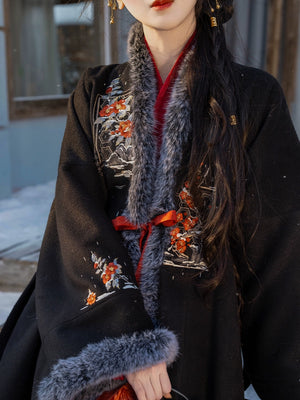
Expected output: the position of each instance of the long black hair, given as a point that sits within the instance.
(217, 167)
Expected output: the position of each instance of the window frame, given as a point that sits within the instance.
(3, 74)
(40, 106)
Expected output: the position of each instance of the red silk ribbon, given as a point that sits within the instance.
(122, 224)
(125, 392)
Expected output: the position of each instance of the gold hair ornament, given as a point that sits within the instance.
(233, 120)
(113, 7)
(213, 18)
(213, 22)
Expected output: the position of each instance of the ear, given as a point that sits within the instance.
(120, 4)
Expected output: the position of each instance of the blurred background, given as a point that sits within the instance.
(45, 45)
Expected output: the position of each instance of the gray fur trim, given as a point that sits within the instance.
(144, 144)
(176, 132)
(153, 259)
(175, 135)
(131, 239)
(87, 375)
(152, 186)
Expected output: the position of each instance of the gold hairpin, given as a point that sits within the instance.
(213, 22)
(213, 18)
(113, 7)
(233, 120)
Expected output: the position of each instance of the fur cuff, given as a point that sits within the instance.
(87, 375)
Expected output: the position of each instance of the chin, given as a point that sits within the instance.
(163, 25)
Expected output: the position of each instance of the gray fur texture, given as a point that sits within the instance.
(87, 375)
(152, 186)
(144, 144)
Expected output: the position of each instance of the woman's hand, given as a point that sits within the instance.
(151, 383)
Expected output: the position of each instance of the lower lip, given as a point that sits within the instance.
(163, 6)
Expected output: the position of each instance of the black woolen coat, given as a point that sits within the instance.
(84, 321)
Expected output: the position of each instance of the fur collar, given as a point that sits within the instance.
(152, 187)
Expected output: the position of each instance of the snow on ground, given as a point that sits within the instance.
(7, 301)
(23, 217)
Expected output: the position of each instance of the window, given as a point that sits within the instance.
(3, 80)
(51, 42)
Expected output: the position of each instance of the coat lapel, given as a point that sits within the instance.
(152, 186)
(143, 89)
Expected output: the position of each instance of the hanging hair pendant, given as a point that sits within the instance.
(213, 17)
(233, 120)
(113, 6)
(213, 22)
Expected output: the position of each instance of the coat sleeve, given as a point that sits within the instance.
(271, 280)
(90, 312)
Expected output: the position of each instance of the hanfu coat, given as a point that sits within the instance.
(84, 320)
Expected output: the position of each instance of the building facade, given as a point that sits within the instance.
(46, 44)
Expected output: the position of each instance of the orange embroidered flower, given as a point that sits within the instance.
(174, 233)
(115, 107)
(185, 196)
(112, 267)
(181, 246)
(96, 265)
(190, 202)
(106, 278)
(119, 105)
(189, 223)
(110, 270)
(107, 111)
(125, 128)
(179, 217)
(91, 299)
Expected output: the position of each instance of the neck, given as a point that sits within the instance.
(166, 46)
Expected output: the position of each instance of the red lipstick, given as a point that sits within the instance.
(161, 4)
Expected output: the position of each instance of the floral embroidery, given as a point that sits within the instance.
(113, 108)
(109, 271)
(186, 221)
(111, 276)
(179, 217)
(91, 299)
(189, 223)
(124, 129)
(106, 111)
(185, 249)
(186, 196)
(119, 105)
(114, 130)
(174, 234)
(180, 240)
(181, 245)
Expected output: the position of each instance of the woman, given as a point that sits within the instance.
(172, 240)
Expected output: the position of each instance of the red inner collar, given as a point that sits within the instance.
(174, 70)
(164, 90)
